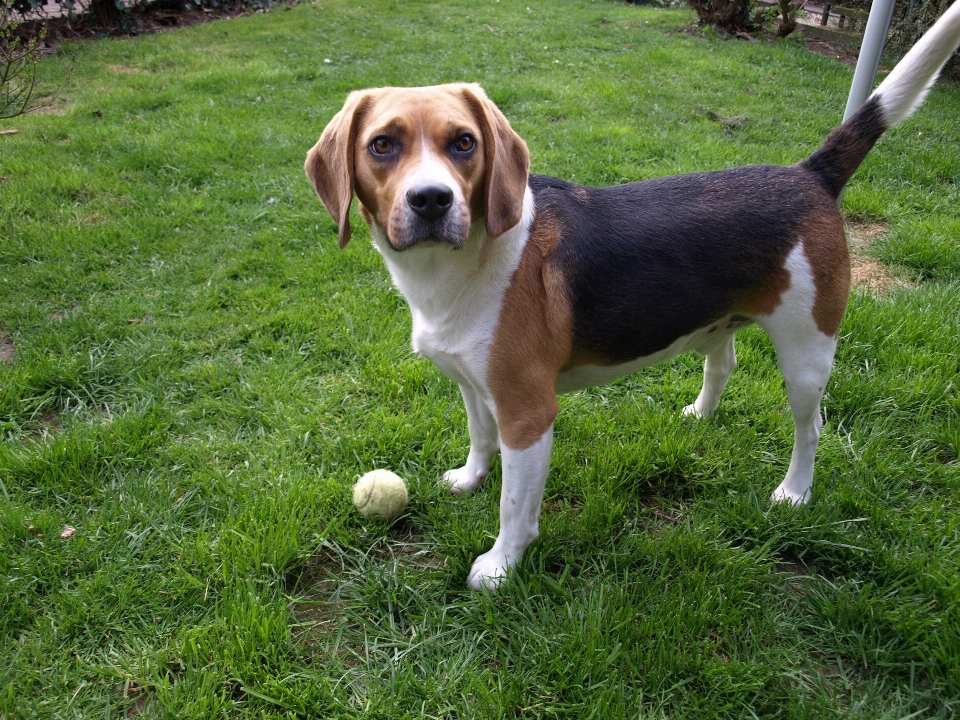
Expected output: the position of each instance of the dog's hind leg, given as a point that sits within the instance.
(717, 366)
(805, 355)
(806, 369)
(484, 444)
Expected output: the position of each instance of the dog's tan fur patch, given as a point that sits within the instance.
(766, 298)
(825, 246)
(532, 341)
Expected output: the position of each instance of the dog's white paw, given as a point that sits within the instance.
(461, 481)
(489, 571)
(692, 410)
(785, 495)
(699, 410)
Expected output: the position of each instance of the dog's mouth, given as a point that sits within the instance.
(431, 241)
(429, 234)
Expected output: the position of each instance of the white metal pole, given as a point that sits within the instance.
(874, 38)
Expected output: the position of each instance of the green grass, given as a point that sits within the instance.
(200, 375)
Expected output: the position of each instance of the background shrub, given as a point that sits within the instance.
(729, 16)
(911, 19)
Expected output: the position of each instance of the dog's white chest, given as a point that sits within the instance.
(455, 296)
(447, 348)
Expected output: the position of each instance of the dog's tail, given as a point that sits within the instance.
(897, 97)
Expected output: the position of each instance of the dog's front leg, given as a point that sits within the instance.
(524, 478)
(484, 443)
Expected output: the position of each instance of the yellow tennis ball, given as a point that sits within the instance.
(380, 494)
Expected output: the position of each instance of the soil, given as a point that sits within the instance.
(837, 52)
(846, 55)
(866, 272)
(7, 348)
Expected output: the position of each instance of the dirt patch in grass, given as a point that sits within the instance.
(322, 583)
(836, 51)
(49, 424)
(48, 105)
(124, 70)
(135, 698)
(59, 315)
(867, 272)
(7, 348)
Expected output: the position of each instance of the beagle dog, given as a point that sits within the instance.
(524, 286)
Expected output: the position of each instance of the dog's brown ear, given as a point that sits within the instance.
(507, 164)
(329, 164)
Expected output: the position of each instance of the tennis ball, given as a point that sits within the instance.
(380, 494)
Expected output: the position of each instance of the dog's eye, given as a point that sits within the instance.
(465, 143)
(381, 145)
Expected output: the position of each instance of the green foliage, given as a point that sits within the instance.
(729, 16)
(741, 16)
(911, 19)
(788, 16)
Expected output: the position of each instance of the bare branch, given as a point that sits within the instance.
(18, 67)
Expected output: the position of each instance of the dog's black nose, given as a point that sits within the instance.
(431, 202)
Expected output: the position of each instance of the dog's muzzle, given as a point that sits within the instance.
(432, 218)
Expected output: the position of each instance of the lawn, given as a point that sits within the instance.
(192, 376)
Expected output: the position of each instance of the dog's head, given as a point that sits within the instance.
(424, 163)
